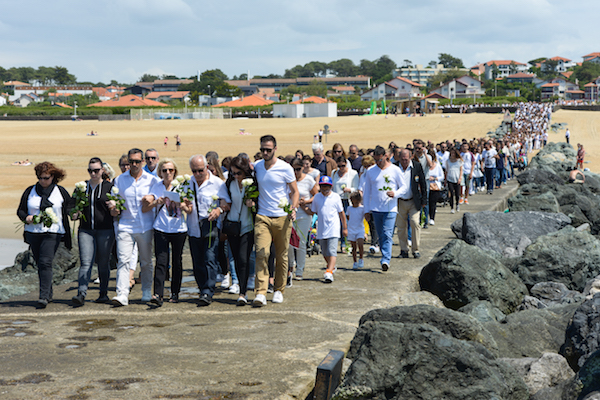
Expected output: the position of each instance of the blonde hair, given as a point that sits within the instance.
(163, 162)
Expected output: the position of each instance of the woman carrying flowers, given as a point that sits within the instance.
(96, 233)
(44, 210)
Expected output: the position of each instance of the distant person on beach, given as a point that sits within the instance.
(320, 135)
(580, 156)
(568, 135)
(177, 142)
(133, 227)
(96, 234)
(43, 238)
(166, 141)
(152, 159)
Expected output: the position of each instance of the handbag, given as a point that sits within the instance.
(232, 228)
(207, 231)
(433, 186)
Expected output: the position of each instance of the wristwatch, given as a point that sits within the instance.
(220, 209)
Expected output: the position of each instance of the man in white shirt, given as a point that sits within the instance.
(443, 154)
(382, 186)
(204, 210)
(151, 158)
(489, 157)
(133, 227)
(276, 183)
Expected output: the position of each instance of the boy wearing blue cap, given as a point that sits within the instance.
(328, 206)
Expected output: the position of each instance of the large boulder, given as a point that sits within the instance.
(458, 325)
(583, 333)
(539, 373)
(555, 294)
(507, 233)
(483, 311)
(545, 202)
(539, 176)
(460, 274)
(417, 361)
(531, 333)
(568, 256)
(22, 277)
(555, 158)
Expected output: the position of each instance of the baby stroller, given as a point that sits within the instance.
(443, 199)
(312, 244)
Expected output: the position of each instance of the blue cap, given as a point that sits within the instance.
(325, 180)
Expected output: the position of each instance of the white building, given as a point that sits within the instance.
(397, 88)
(562, 64)
(505, 68)
(421, 75)
(39, 90)
(304, 110)
(462, 87)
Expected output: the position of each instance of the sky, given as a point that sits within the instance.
(99, 41)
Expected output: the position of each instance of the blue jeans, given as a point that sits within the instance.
(44, 246)
(384, 223)
(206, 264)
(94, 245)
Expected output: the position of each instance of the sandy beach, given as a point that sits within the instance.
(66, 143)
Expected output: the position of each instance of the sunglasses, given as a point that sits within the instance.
(265, 150)
(342, 166)
(337, 151)
(134, 161)
(150, 158)
(168, 170)
(124, 165)
(44, 178)
(95, 170)
(298, 169)
(239, 173)
(198, 171)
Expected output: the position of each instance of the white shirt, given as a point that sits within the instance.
(378, 200)
(453, 171)
(328, 208)
(273, 186)
(356, 226)
(468, 158)
(437, 173)
(304, 188)
(133, 220)
(488, 158)
(239, 211)
(33, 208)
(404, 191)
(442, 157)
(350, 179)
(203, 200)
(168, 219)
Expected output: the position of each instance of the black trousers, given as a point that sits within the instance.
(241, 247)
(434, 196)
(453, 193)
(44, 246)
(162, 241)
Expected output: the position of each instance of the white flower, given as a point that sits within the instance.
(179, 179)
(174, 183)
(114, 190)
(81, 185)
(283, 202)
(343, 186)
(187, 177)
(247, 182)
(215, 197)
(386, 177)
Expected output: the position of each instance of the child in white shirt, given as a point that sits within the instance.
(356, 228)
(328, 206)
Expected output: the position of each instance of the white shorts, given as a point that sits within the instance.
(354, 236)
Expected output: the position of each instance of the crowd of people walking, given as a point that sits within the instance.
(249, 224)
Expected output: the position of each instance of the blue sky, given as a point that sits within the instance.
(123, 39)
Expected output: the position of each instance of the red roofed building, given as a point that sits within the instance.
(462, 87)
(592, 90)
(128, 101)
(311, 99)
(562, 64)
(164, 96)
(253, 100)
(504, 68)
(592, 57)
(397, 88)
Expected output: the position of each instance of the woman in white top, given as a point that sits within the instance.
(436, 177)
(454, 174)
(169, 229)
(345, 181)
(44, 209)
(307, 188)
(308, 170)
(241, 211)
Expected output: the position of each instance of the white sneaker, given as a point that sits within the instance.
(452, 211)
(277, 297)
(146, 296)
(361, 263)
(97, 281)
(355, 265)
(431, 222)
(251, 282)
(234, 289)
(376, 249)
(225, 283)
(457, 208)
(409, 243)
(260, 300)
(120, 300)
(220, 277)
(328, 277)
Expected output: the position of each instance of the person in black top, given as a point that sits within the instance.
(96, 233)
(44, 210)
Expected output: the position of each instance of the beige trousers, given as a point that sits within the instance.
(406, 210)
(278, 231)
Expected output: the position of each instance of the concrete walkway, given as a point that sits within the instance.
(217, 352)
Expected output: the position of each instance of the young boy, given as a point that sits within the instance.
(328, 206)
(356, 228)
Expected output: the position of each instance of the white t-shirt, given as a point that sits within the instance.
(304, 188)
(375, 179)
(133, 220)
(453, 171)
(273, 186)
(203, 201)
(239, 211)
(488, 158)
(168, 219)
(33, 208)
(356, 226)
(468, 159)
(328, 209)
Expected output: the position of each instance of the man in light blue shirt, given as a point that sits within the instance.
(152, 158)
